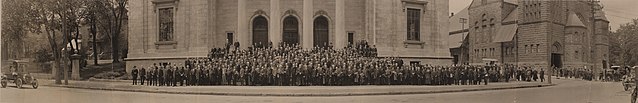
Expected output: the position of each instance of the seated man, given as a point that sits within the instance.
(14, 71)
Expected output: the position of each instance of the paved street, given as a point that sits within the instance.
(567, 91)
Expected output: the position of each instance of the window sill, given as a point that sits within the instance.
(415, 2)
(166, 45)
(413, 42)
(164, 1)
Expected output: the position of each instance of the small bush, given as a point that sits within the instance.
(123, 77)
(43, 55)
(108, 75)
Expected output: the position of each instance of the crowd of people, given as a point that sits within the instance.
(578, 73)
(289, 65)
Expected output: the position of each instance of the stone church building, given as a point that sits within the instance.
(537, 33)
(174, 30)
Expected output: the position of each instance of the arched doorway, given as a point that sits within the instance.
(321, 30)
(291, 31)
(260, 32)
(556, 55)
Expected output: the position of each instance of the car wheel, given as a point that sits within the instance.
(19, 83)
(34, 84)
(4, 84)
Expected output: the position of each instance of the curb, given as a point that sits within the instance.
(303, 94)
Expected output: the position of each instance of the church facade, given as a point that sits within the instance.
(174, 30)
(561, 33)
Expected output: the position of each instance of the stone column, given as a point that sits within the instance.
(307, 34)
(242, 25)
(75, 68)
(274, 32)
(340, 32)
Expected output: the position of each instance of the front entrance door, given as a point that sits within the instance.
(557, 60)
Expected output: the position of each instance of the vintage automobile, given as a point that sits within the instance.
(628, 82)
(18, 76)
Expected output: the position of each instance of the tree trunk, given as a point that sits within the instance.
(56, 55)
(95, 53)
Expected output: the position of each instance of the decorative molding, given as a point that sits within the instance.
(164, 3)
(414, 2)
(412, 42)
(320, 12)
(290, 12)
(260, 12)
(166, 44)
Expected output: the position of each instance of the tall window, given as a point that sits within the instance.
(166, 24)
(526, 49)
(414, 24)
(492, 51)
(260, 32)
(321, 32)
(538, 48)
(291, 31)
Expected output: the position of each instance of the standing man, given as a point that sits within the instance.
(153, 75)
(134, 75)
(142, 75)
(169, 76)
(180, 76)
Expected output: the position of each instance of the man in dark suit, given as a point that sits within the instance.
(142, 75)
(134, 74)
(169, 76)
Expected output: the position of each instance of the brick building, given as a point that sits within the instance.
(173, 30)
(538, 33)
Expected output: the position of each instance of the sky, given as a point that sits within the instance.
(618, 11)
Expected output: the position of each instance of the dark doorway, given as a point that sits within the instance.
(456, 59)
(321, 31)
(260, 32)
(291, 31)
(229, 38)
(557, 60)
(351, 38)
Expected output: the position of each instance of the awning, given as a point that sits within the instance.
(506, 33)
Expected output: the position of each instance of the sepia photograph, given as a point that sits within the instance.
(319, 51)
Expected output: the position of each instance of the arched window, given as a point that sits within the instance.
(291, 30)
(321, 30)
(260, 32)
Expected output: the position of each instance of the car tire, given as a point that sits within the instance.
(19, 83)
(4, 84)
(34, 84)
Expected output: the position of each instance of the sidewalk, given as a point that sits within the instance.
(292, 90)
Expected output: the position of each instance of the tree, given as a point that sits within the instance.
(106, 17)
(53, 16)
(624, 44)
(17, 17)
(91, 19)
